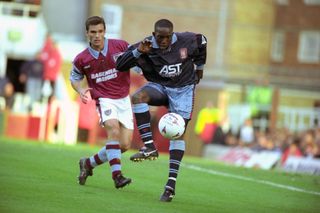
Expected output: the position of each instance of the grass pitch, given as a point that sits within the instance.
(39, 177)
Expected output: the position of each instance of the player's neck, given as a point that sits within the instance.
(97, 48)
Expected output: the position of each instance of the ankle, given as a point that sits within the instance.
(149, 144)
(88, 164)
(115, 174)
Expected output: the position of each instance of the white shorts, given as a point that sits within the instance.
(119, 109)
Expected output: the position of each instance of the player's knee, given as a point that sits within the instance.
(116, 132)
(135, 99)
(113, 133)
(140, 97)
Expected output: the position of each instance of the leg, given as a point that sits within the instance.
(125, 117)
(87, 164)
(111, 114)
(114, 153)
(152, 96)
(176, 150)
(125, 138)
(180, 101)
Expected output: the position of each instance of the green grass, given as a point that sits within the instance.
(40, 177)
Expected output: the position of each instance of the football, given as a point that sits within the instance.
(171, 125)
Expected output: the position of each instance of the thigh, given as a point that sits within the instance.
(181, 100)
(107, 110)
(116, 109)
(125, 114)
(151, 93)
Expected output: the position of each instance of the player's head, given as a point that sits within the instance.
(163, 31)
(96, 29)
(95, 20)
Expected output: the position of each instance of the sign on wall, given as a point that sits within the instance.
(113, 17)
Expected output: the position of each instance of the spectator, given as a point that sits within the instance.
(31, 73)
(308, 144)
(7, 92)
(51, 58)
(246, 134)
(207, 124)
(292, 150)
(317, 142)
(260, 98)
(231, 140)
(310, 150)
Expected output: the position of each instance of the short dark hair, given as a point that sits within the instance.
(163, 23)
(95, 20)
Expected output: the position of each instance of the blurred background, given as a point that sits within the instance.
(257, 106)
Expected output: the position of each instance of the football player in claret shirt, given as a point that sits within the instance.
(110, 89)
(173, 64)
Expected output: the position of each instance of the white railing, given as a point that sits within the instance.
(294, 119)
(298, 118)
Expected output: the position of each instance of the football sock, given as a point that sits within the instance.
(142, 114)
(99, 158)
(177, 148)
(114, 156)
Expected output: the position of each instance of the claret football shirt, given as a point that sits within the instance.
(99, 69)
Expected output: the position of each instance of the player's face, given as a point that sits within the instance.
(163, 36)
(95, 35)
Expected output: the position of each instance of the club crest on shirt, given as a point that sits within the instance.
(116, 56)
(107, 112)
(183, 53)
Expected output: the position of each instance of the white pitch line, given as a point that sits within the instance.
(213, 172)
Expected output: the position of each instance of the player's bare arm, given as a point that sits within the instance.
(83, 92)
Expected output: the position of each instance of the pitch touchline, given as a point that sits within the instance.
(291, 188)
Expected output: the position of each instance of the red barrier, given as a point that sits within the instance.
(17, 126)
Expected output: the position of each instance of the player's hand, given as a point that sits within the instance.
(145, 46)
(85, 95)
(199, 75)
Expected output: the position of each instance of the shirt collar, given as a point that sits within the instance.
(154, 42)
(96, 53)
